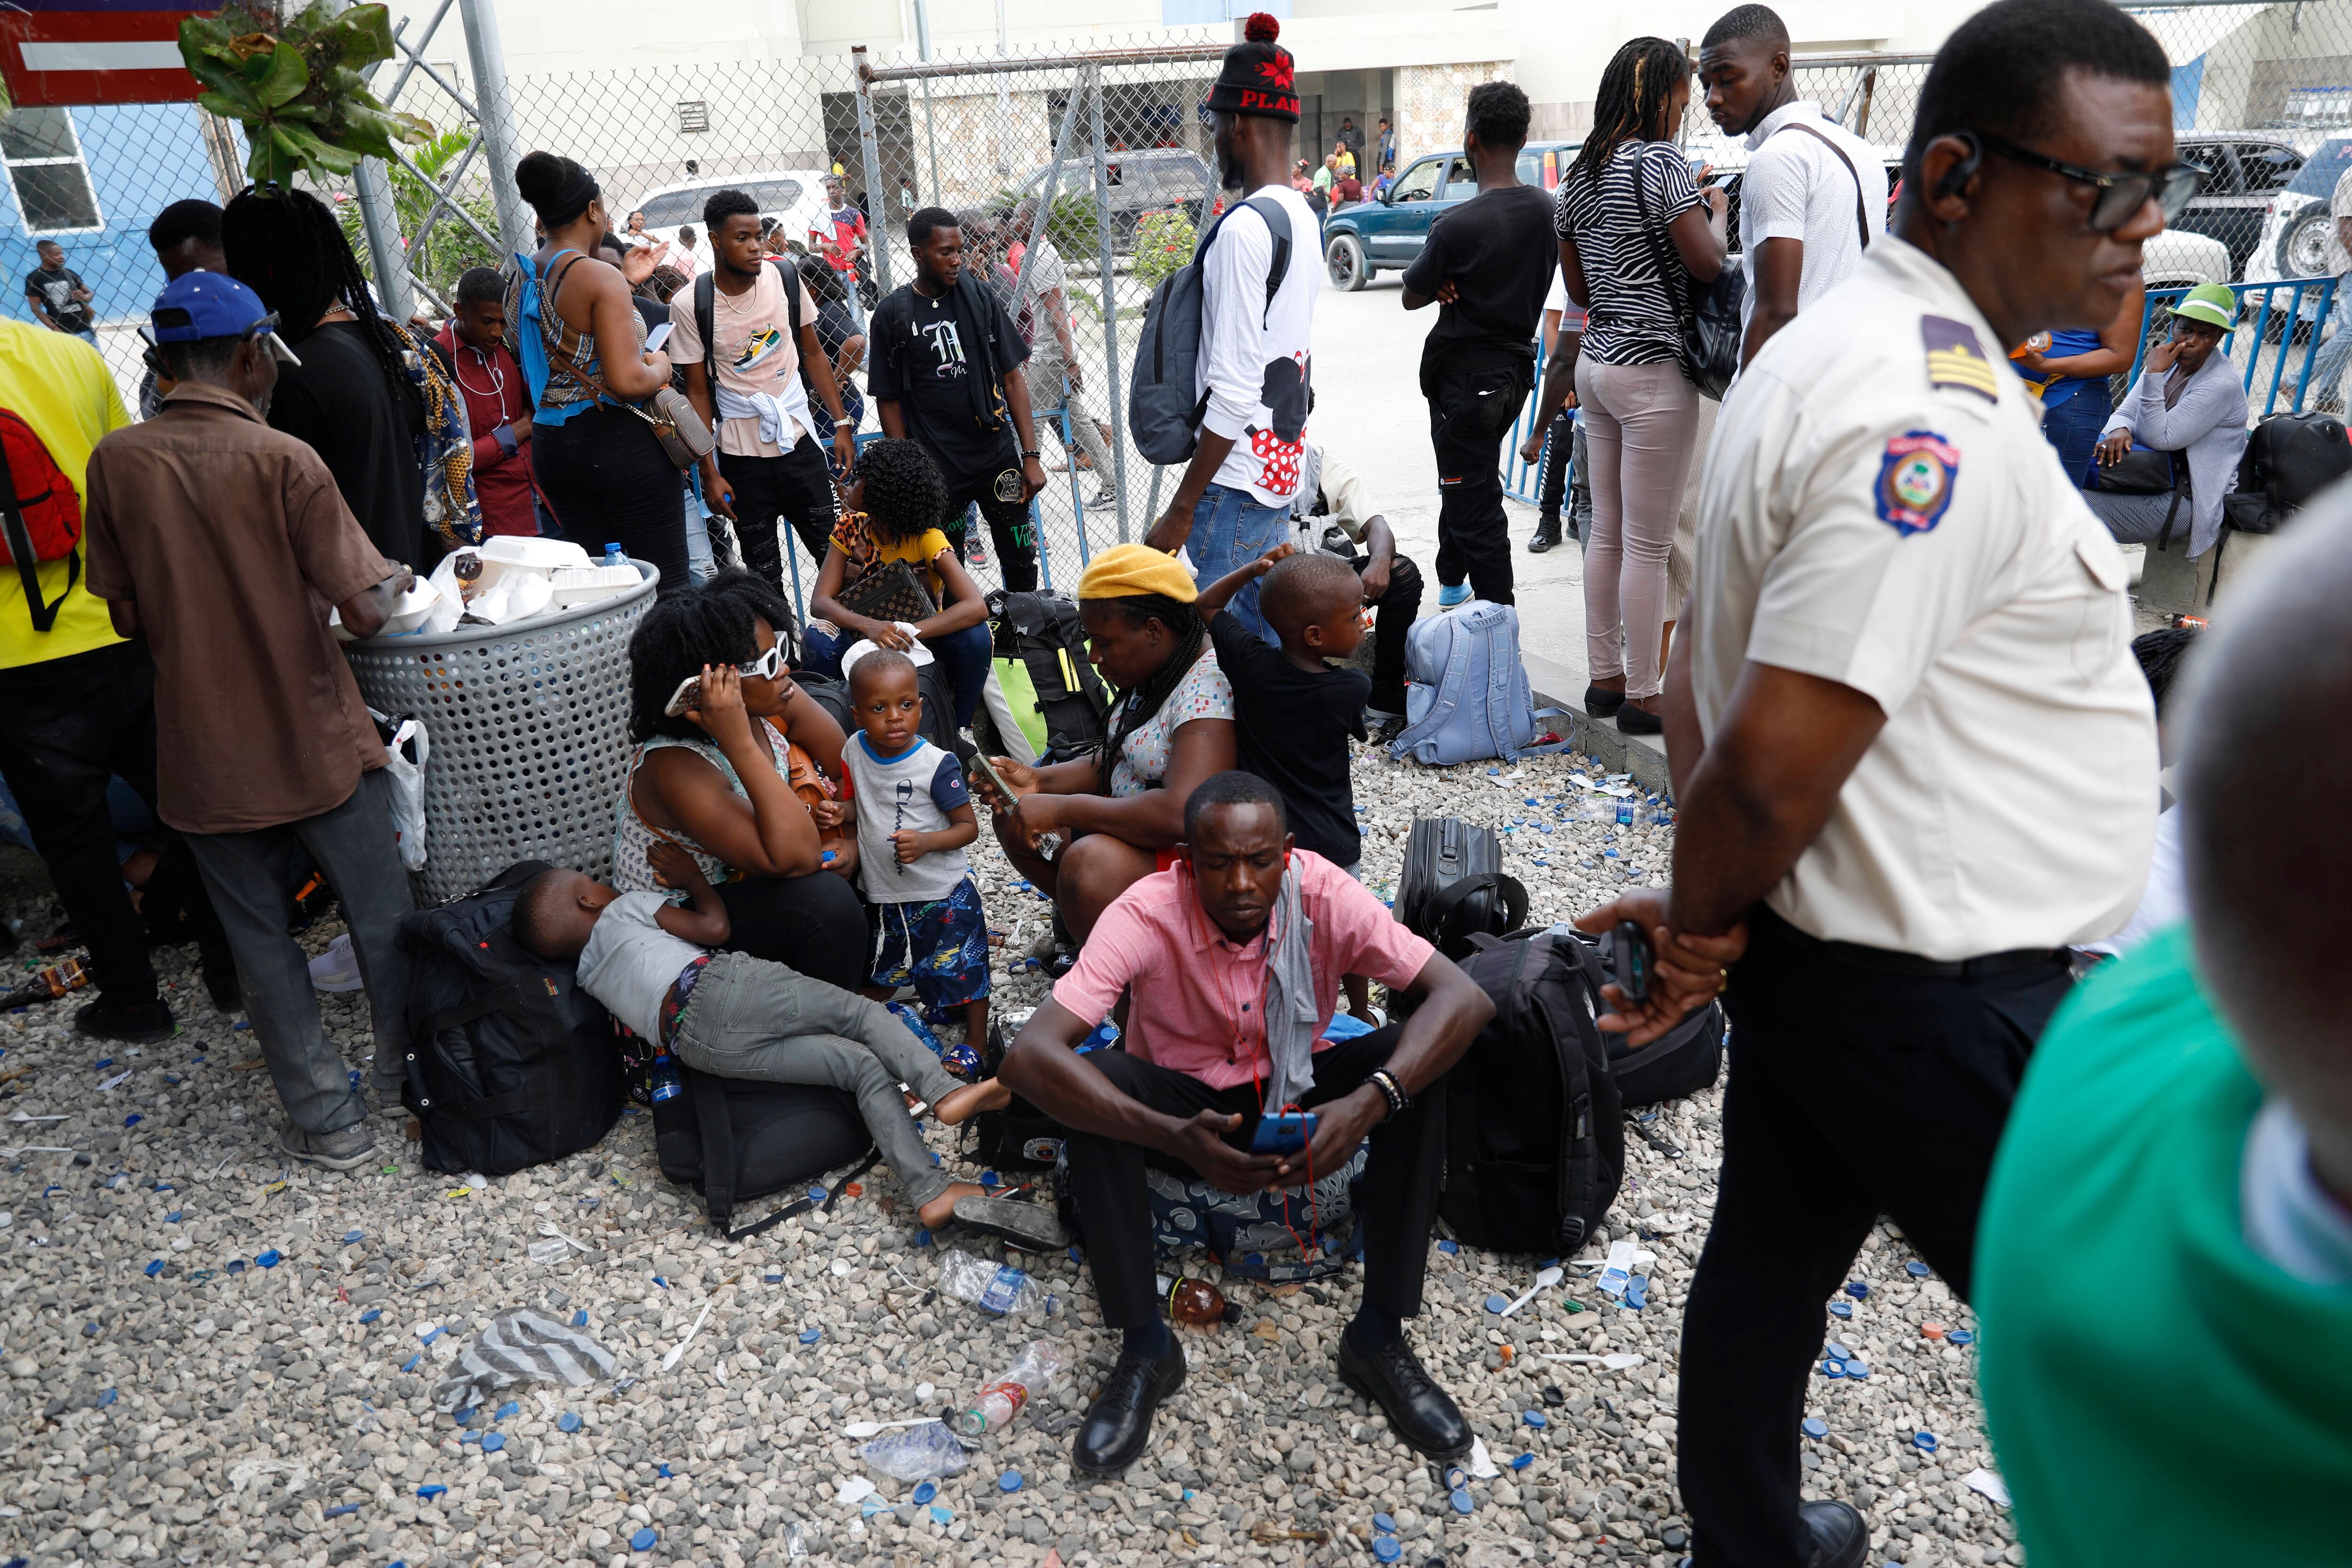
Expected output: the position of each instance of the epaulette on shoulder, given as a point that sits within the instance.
(1955, 357)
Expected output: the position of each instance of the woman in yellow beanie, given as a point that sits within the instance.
(1119, 808)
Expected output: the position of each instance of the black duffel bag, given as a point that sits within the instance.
(1453, 887)
(1684, 1060)
(509, 1063)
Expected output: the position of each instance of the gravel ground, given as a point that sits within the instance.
(166, 1395)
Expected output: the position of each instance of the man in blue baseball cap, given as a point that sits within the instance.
(219, 540)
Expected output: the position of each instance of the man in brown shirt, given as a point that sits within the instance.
(223, 543)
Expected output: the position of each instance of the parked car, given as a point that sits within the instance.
(793, 197)
(1141, 180)
(2294, 239)
(2244, 174)
(1384, 234)
(2177, 259)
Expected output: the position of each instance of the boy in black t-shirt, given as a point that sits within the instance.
(1293, 713)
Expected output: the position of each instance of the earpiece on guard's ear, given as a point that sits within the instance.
(1961, 173)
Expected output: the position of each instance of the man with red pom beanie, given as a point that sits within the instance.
(1234, 502)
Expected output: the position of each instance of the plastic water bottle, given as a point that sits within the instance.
(666, 1085)
(1002, 1399)
(1102, 1037)
(616, 556)
(1006, 1291)
(1624, 811)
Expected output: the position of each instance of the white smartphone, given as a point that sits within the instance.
(659, 336)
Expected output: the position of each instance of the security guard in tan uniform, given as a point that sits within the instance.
(1914, 755)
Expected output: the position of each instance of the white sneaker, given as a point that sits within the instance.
(336, 969)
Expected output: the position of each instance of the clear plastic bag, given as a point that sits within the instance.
(928, 1452)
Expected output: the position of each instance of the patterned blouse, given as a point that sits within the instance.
(1204, 693)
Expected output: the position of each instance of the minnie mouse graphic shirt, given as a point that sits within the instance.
(1257, 357)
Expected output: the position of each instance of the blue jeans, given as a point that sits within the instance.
(1230, 528)
(2328, 365)
(963, 657)
(2073, 426)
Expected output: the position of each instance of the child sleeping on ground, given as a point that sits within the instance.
(649, 963)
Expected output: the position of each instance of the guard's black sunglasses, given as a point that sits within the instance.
(2120, 195)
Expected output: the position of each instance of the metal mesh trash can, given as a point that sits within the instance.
(529, 736)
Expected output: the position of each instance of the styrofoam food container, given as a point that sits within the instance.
(586, 584)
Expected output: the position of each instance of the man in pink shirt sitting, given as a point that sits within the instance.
(1241, 928)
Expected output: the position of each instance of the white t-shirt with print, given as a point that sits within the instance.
(1255, 365)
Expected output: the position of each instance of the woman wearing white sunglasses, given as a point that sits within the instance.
(732, 756)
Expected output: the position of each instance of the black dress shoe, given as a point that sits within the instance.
(1838, 1534)
(1118, 1423)
(1633, 720)
(1601, 702)
(142, 1022)
(1420, 1412)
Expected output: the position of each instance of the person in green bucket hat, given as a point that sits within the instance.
(2171, 451)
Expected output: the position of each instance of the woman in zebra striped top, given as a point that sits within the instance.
(1637, 238)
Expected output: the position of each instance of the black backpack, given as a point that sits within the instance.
(736, 1141)
(2289, 458)
(1453, 887)
(1685, 1060)
(1020, 1137)
(1043, 631)
(831, 694)
(509, 1063)
(1535, 1135)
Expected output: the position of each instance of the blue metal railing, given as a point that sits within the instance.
(1523, 481)
(2309, 302)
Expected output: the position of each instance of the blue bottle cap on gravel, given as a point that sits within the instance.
(775, 1276)
(1535, 1418)
(1010, 1481)
(1924, 1441)
(154, 1268)
(1841, 1309)
(1857, 1289)
(1833, 1369)
(509, 1408)
(493, 1441)
(1461, 1500)
(1383, 1525)
(1523, 1462)
(1456, 1479)
(1496, 1302)
(927, 1491)
(1916, 1270)
(1449, 1247)
(810, 1336)
(352, 1235)
(371, 1314)
(270, 1259)
(1959, 1337)
(1857, 1368)
(567, 1422)
(428, 1493)
(818, 1193)
(643, 1541)
(663, 1470)
(1387, 1549)
(1814, 1426)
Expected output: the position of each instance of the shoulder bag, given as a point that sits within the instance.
(1711, 331)
(888, 591)
(675, 424)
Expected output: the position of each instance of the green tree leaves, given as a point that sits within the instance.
(296, 86)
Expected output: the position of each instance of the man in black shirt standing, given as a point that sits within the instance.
(946, 375)
(1487, 264)
(59, 298)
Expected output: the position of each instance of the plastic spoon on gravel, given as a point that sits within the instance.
(1615, 1361)
(547, 1228)
(874, 1428)
(1544, 1281)
(678, 1350)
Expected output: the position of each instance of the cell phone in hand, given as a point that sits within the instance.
(989, 775)
(687, 695)
(1630, 958)
(1283, 1132)
(657, 337)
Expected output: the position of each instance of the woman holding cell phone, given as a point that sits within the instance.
(736, 765)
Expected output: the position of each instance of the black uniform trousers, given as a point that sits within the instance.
(1473, 401)
(66, 725)
(1396, 1205)
(1861, 1084)
(796, 488)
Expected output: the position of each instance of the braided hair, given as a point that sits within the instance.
(904, 492)
(1631, 103)
(1140, 704)
(286, 246)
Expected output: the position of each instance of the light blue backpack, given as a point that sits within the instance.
(1469, 698)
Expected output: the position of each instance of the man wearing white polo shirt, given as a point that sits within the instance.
(1813, 196)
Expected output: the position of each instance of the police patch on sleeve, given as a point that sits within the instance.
(1914, 481)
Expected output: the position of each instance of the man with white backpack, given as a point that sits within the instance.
(1258, 316)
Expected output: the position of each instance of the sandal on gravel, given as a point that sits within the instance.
(1031, 1226)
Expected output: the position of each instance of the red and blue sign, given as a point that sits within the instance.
(74, 52)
